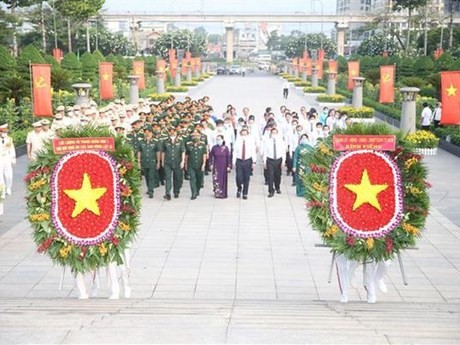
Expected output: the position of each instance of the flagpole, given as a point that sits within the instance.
(31, 88)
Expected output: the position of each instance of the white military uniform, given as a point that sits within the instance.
(7, 159)
(36, 141)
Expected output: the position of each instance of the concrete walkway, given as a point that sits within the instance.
(236, 271)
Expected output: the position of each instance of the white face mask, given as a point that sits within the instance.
(304, 141)
(220, 142)
(3, 134)
(274, 136)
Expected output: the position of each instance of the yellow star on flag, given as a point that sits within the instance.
(86, 197)
(366, 193)
(105, 76)
(451, 91)
(353, 72)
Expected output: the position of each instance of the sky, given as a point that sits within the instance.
(228, 7)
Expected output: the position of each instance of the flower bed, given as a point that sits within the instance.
(176, 89)
(367, 205)
(323, 98)
(159, 97)
(358, 113)
(311, 89)
(189, 83)
(302, 83)
(293, 79)
(423, 139)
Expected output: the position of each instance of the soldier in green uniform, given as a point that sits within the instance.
(136, 136)
(149, 158)
(195, 162)
(158, 136)
(173, 160)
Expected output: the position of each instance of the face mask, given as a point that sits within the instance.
(274, 136)
(227, 125)
(220, 142)
(3, 134)
(304, 141)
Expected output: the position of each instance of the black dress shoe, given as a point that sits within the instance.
(167, 197)
(176, 195)
(245, 197)
(193, 197)
(293, 184)
(238, 194)
(278, 191)
(151, 196)
(270, 195)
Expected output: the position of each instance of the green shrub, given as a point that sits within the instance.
(71, 63)
(311, 89)
(455, 139)
(176, 89)
(29, 55)
(293, 79)
(330, 98)
(7, 62)
(413, 82)
(357, 113)
(200, 79)
(89, 67)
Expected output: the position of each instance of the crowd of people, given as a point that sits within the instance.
(173, 141)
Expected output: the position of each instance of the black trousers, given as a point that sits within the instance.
(289, 162)
(274, 174)
(285, 93)
(243, 175)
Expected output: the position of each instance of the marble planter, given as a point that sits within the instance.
(426, 152)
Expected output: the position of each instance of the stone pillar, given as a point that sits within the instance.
(189, 73)
(229, 33)
(177, 79)
(304, 76)
(314, 77)
(289, 69)
(408, 113)
(82, 91)
(203, 68)
(331, 83)
(160, 82)
(133, 89)
(196, 71)
(296, 71)
(341, 28)
(357, 101)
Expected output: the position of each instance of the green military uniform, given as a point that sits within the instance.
(196, 151)
(135, 138)
(149, 151)
(173, 152)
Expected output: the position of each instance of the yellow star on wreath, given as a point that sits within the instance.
(86, 197)
(451, 91)
(366, 193)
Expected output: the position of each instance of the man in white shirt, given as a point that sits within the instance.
(34, 141)
(437, 114)
(273, 153)
(285, 89)
(426, 117)
(7, 160)
(244, 157)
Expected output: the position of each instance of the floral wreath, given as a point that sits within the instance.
(395, 215)
(73, 231)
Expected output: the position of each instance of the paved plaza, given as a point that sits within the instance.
(236, 271)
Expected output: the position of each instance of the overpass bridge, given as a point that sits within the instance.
(341, 21)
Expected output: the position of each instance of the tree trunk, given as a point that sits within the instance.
(88, 46)
(15, 35)
(408, 31)
(451, 24)
(42, 24)
(69, 35)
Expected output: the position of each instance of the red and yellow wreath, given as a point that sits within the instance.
(367, 204)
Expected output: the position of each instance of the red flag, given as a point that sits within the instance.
(321, 54)
(309, 66)
(138, 69)
(58, 54)
(450, 91)
(353, 71)
(187, 61)
(41, 90)
(320, 67)
(172, 62)
(161, 67)
(106, 80)
(387, 84)
(333, 66)
(305, 56)
(385, 53)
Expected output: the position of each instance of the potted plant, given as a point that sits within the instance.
(425, 142)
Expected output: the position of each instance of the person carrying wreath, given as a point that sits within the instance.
(299, 168)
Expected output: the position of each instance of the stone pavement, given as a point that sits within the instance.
(236, 271)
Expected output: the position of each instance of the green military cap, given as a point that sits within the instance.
(148, 127)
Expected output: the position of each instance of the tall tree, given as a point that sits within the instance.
(453, 4)
(79, 11)
(410, 6)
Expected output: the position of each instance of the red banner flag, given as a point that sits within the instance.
(138, 69)
(106, 80)
(309, 65)
(58, 54)
(305, 56)
(333, 66)
(187, 61)
(41, 90)
(161, 68)
(450, 91)
(321, 54)
(320, 67)
(353, 71)
(172, 62)
(438, 52)
(387, 84)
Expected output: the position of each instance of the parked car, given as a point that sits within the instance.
(235, 69)
(221, 70)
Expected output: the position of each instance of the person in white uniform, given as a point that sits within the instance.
(7, 160)
(34, 140)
